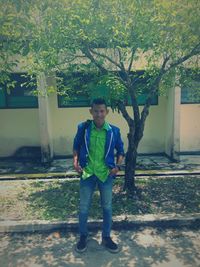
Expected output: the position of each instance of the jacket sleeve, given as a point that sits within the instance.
(119, 146)
(77, 139)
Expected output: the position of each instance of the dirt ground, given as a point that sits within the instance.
(143, 247)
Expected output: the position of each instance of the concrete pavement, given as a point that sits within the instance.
(159, 163)
(119, 222)
(143, 247)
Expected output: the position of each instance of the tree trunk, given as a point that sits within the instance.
(130, 163)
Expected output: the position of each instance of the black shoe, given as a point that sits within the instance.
(110, 245)
(81, 246)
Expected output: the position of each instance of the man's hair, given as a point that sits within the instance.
(98, 101)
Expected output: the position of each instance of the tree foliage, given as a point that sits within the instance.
(111, 38)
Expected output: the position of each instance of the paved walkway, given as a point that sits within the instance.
(147, 247)
(144, 162)
(143, 247)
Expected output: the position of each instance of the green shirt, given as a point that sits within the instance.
(96, 163)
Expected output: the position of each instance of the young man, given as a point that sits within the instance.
(93, 153)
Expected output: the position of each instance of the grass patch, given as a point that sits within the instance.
(58, 199)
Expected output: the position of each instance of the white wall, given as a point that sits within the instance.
(19, 127)
(190, 127)
(65, 120)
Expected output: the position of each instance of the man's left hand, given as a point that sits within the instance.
(114, 171)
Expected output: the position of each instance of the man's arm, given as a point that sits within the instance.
(119, 146)
(77, 167)
(76, 148)
(120, 153)
(118, 162)
(120, 159)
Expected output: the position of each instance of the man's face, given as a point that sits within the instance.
(99, 113)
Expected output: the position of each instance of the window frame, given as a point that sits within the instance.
(59, 104)
(6, 95)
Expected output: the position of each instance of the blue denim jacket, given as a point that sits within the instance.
(113, 141)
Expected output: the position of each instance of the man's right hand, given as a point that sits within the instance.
(78, 168)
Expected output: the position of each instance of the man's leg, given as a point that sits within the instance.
(106, 203)
(105, 189)
(87, 188)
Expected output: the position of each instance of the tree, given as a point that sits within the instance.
(109, 37)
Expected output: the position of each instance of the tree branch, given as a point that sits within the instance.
(131, 61)
(163, 70)
(86, 51)
(166, 59)
(135, 106)
(120, 60)
(134, 103)
(106, 57)
(153, 89)
(195, 51)
(124, 112)
(67, 60)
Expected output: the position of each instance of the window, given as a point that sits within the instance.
(191, 94)
(141, 85)
(79, 88)
(190, 88)
(20, 95)
(73, 90)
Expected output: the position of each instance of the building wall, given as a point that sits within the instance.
(65, 120)
(190, 127)
(18, 127)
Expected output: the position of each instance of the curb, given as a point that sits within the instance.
(119, 222)
(74, 175)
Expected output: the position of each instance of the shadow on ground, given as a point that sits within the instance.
(60, 200)
(143, 247)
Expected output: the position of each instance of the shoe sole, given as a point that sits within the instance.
(110, 250)
(80, 251)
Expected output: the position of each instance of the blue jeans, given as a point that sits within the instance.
(87, 188)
